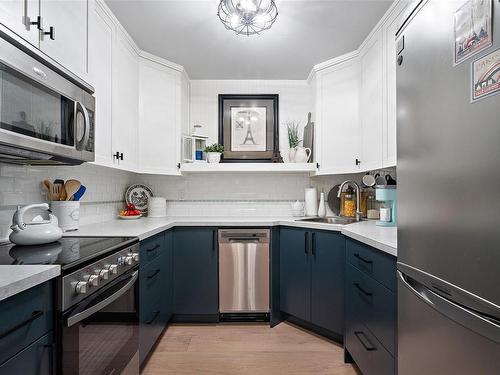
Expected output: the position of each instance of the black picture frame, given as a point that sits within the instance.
(271, 102)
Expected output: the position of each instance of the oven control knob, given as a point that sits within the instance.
(103, 274)
(129, 259)
(113, 269)
(81, 287)
(93, 280)
(135, 256)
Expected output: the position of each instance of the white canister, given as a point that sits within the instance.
(68, 214)
(157, 207)
(385, 214)
(311, 195)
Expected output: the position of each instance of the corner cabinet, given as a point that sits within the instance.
(337, 92)
(312, 278)
(162, 114)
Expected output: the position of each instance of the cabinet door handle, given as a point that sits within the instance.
(38, 23)
(34, 316)
(306, 242)
(51, 33)
(214, 241)
(313, 243)
(154, 274)
(157, 246)
(155, 315)
(365, 342)
(358, 162)
(363, 259)
(360, 288)
(118, 155)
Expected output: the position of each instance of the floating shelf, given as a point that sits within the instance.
(248, 168)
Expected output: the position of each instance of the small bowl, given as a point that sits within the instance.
(129, 217)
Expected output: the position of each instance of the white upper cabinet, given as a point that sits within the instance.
(17, 15)
(337, 117)
(125, 102)
(65, 33)
(372, 102)
(391, 26)
(160, 116)
(101, 34)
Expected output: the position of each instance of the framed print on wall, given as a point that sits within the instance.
(249, 127)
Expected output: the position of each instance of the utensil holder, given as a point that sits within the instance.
(68, 214)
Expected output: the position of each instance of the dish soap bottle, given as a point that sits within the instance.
(322, 207)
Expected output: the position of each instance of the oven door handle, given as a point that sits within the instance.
(82, 143)
(72, 320)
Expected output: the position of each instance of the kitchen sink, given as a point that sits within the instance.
(330, 220)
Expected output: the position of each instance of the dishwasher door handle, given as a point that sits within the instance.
(250, 239)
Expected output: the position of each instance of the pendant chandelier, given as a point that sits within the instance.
(247, 17)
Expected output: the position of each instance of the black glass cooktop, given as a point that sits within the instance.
(68, 252)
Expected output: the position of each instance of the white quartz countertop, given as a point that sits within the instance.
(17, 278)
(382, 238)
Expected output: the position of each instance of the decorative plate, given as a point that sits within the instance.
(129, 217)
(139, 195)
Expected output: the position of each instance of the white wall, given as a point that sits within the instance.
(22, 185)
(294, 103)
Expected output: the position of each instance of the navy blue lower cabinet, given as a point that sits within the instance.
(155, 290)
(327, 280)
(36, 359)
(370, 338)
(24, 318)
(196, 287)
(312, 278)
(295, 272)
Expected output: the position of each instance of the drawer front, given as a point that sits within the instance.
(37, 359)
(24, 318)
(373, 303)
(151, 248)
(153, 312)
(367, 351)
(380, 266)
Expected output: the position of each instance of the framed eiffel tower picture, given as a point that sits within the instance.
(248, 127)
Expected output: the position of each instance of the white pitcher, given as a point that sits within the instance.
(302, 155)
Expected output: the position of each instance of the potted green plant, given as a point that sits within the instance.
(293, 139)
(214, 152)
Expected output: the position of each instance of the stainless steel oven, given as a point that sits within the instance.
(45, 117)
(99, 324)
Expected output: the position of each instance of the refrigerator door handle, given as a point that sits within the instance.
(482, 324)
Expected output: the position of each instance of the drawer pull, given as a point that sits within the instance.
(155, 315)
(154, 274)
(363, 259)
(156, 247)
(365, 342)
(360, 288)
(34, 316)
(306, 243)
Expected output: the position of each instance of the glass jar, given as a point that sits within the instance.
(350, 203)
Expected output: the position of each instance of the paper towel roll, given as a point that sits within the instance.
(311, 197)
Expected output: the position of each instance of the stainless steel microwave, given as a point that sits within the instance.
(46, 116)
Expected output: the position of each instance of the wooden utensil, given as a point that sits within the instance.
(56, 191)
(70, 188)
(47, 186)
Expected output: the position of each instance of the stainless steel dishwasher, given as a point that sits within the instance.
(244, 274)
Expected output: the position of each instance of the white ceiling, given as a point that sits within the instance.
(307, 32)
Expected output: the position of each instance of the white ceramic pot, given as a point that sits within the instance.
(213, 157)
(68, 213)
(302, 154)
(291, 155)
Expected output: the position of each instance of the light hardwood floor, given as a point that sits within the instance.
(245, 349)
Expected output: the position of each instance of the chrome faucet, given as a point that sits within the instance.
(359, 214)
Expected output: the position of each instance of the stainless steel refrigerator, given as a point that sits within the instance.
(448, 200)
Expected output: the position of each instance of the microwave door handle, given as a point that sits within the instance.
(86, 124)
(72, 320)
